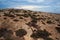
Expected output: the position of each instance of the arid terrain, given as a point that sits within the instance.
(19, 24)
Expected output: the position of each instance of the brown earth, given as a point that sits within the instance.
(19, 24)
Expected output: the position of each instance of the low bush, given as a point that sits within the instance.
(58, 29)
(40, 34)
(49, 22)
(21, 32)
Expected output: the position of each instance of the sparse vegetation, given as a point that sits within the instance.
(34, 21)
(18, 14)
(25, 11)
(0, 15)
(57, 19)
(17, 10)
(25, 15)
(33, 17)
(5, 18)
(57, 38)
(38, 23)
(40, 34)
(5, 33)
(21, 32)
(42, 18)
(43, 22)
(49, 22)
(8, 38)
(48, 38)
(33, 24)
(1, 10)
(9, 15)
(58, 29)
(21, 17)
(58, 24)
(16, 20)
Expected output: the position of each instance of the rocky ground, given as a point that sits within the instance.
(19, 24)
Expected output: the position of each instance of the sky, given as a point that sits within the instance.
(35, 5)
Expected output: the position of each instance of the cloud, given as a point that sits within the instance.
(35, 1)
(29, 2)
(53, 9)
(41, 1)
(31, 7)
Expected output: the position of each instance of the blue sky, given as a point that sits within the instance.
(36, 5)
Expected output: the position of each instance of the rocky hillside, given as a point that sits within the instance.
(19, 24)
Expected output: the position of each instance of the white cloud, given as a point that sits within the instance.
(35, 1)
(53, 9)
(39, 1)
(31, 7)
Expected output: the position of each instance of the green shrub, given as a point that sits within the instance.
(21, 32)
(5, 33)
(40, 34)
(16, 20)
(49, 22)
(48, 39)
(9, 15)
(58, 29)
(25, 15)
